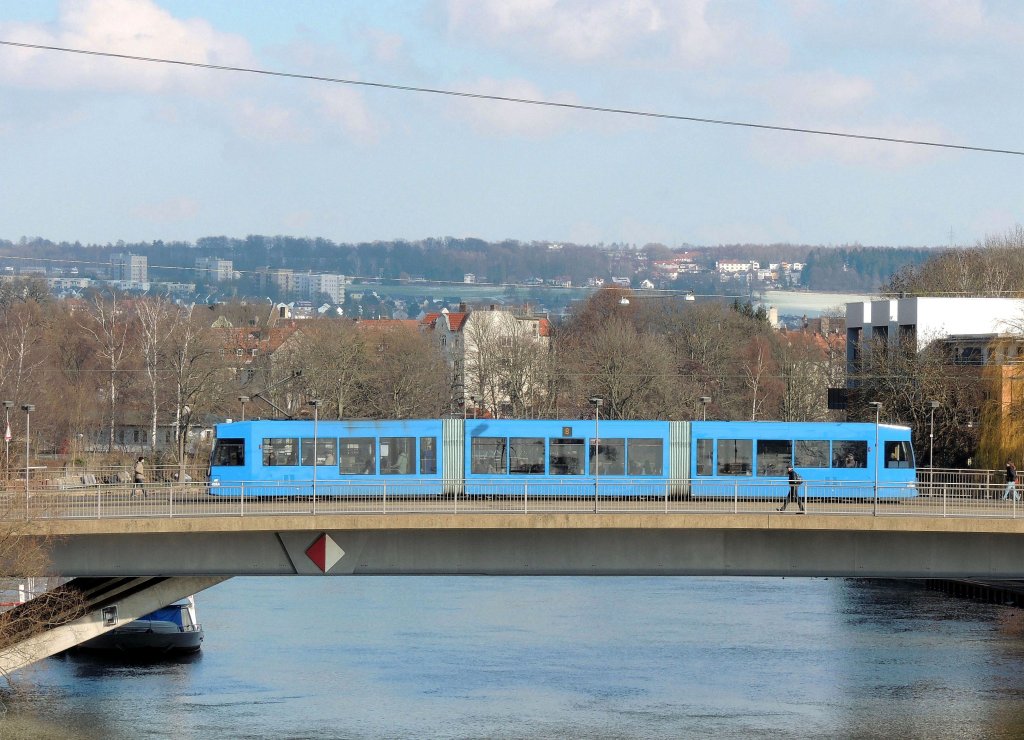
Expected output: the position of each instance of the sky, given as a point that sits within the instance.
(98, 150)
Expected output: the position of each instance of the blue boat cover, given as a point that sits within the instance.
(166, 614)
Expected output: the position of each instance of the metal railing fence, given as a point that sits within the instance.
(190, 499)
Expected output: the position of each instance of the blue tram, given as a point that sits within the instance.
(434, 457)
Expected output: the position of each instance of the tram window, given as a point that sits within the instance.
(229, 452)
(428, 455)
(774, 456)
(357, 455)
(613, 457)
(526, 455)
(566, 457)
(398, 455)
(811, 453)
(280, 451)
(705, 457)
(326, 452)
(898, 455)
(645, 457)
(735, 456)
(488, 456)
(849, 454)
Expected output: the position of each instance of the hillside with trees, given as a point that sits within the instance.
(448, 260)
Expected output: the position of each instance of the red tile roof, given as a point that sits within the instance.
(456, 320)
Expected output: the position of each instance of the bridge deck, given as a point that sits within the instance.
(184, 531)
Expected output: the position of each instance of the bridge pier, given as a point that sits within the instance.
(109, 603)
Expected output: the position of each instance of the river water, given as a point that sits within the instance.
(468, 657)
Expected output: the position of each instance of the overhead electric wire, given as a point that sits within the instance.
(509, 99)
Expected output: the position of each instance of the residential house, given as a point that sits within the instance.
(495, 356)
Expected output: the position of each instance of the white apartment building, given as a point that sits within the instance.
(279, 277)
(213, 268)
(310, 285)
(130, 268)
(329, 284)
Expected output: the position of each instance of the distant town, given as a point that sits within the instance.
(405, 280)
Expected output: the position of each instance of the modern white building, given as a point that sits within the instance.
(923, 320)
(328, 284)
(735, 266)
(130, 268)
(309, 285)
(213, 268)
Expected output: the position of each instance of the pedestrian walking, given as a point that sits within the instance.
(139, 478)
(794, 490)
(1011, 482)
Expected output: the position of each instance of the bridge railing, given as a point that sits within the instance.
(191, 499)
(972, 476)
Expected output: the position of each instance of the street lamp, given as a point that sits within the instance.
(597, 401)
(932, 405)
(704, 401)
(878, 410)
(8, 405)
(315, 403)
(243, 400)
(28, 408)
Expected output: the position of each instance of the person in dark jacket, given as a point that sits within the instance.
(794, 490)
(1011, 482)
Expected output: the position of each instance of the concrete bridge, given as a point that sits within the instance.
(181, 542)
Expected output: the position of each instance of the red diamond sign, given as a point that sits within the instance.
(325, 553)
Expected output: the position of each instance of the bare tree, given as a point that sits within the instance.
(332, 356)
(634, 373)
(107, 323)
(760, 375)
(521, 366)
(198, 377)
(808, 365)
(504, 361)
(990, 268)
(905, 379)
(407, 376)
(481, 358)
(21, 342)
(158, 319)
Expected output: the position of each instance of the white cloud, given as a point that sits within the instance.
(675, 31)
(666, 34)
(134, 27)
(951, 19)
(143, 28)
(345, 106)
(263, 122)
(824, 90)
(785, 149)
(387, 48)
(501, 118)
